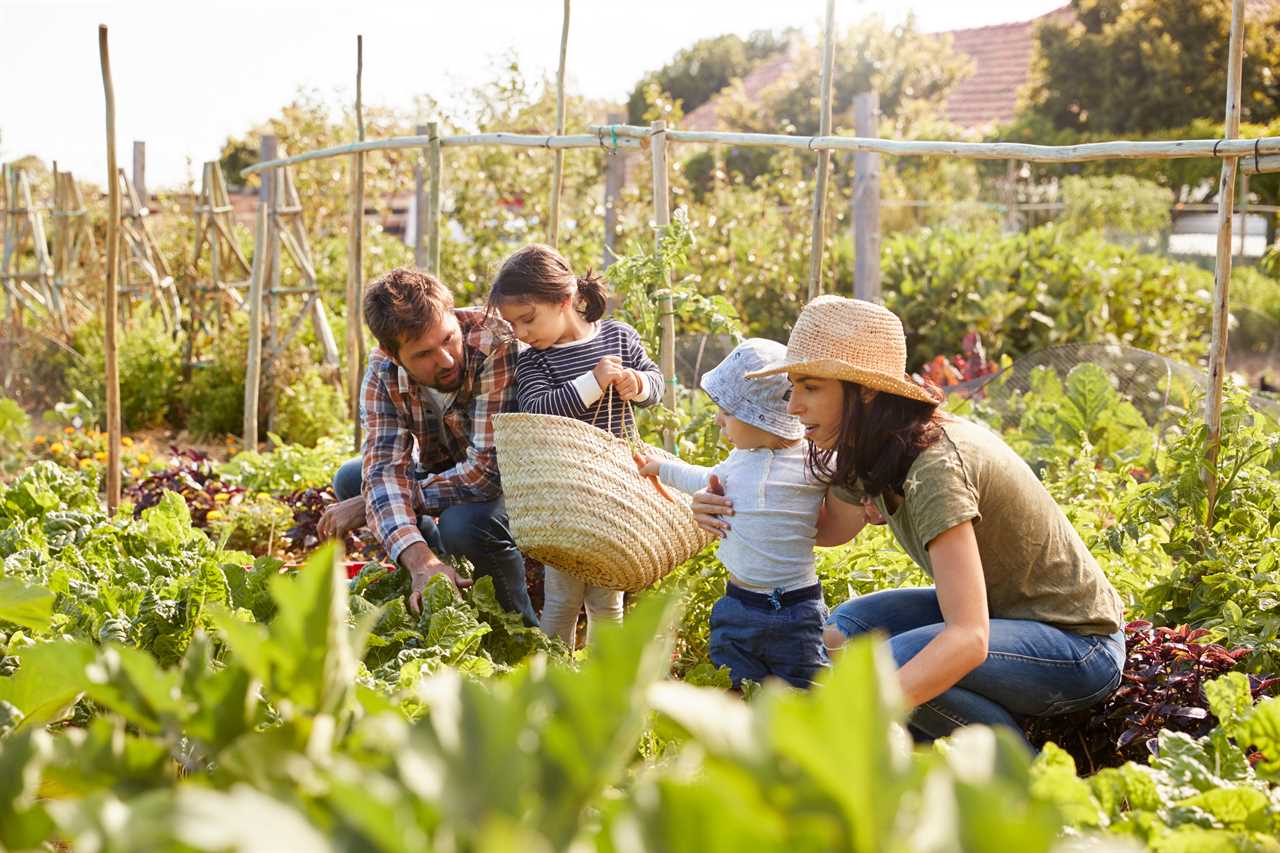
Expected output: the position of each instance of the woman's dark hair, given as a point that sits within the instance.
(538, 273)
(878, 441)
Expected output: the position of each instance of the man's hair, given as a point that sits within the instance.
(402, 304)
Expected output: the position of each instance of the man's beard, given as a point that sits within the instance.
(449, 381)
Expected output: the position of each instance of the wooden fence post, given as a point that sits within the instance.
(113, 271)
(662, 219)
(1222, 265)
(824, 158)
(420, 203)
(435, 176)
(257, 286)
(557, 172)
(355, 260)
(866, 201)
(615, 176)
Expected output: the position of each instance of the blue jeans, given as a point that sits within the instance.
(759, 641)
(477, 531)
(1032, 668)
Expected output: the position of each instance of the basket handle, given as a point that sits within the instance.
(606, 402)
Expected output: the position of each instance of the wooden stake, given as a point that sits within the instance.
(113, 272)
(355, 260)
(614, 177)
(261, 274)
(866, 201)
(435, 175)
(420, 204)
(662, 219)
(557, 172)
(1222, 266)
(824, 158)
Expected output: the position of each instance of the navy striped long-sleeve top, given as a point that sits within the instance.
(558, 380)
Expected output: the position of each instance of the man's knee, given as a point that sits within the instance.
(347, 481)
(468, 529)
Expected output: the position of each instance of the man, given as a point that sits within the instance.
(436, 379)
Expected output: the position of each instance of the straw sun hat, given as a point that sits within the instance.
(853, 340)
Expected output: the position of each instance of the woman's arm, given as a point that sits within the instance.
(839, 521)
(962, 596)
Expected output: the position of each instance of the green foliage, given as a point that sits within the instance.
(150, 371)
(14, 426)
(255, 525)
(1225, 571)
(1117, 205)
(1026, 292)
(1122, 67)
(286, 468)
(309, 409)
(700, 71)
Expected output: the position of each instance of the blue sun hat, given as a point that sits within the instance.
(761, 403)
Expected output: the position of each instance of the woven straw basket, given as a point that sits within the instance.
(577, 502)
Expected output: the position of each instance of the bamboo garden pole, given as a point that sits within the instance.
(662, 219)
(355, 261)
(557, 172)
(113, 272)
(420, 204)
(1222, 265)
(435, 174)
(866, 202)
(824, 157)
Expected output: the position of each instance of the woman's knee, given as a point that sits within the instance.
(833, 637)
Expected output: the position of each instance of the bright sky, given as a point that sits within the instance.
(188, 74)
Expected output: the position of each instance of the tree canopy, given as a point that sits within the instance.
(1137, 66)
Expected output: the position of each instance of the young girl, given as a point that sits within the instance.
(770, 620)
(573, 358)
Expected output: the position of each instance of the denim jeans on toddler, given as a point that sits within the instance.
(759, 634)
(1032, 668)
(477, 531)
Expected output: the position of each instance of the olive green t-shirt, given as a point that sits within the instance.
(1035, 564)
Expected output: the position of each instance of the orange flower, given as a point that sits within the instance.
(69, 430)
(40, 439)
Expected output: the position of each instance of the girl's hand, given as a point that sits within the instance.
(608, 371)
(630, 386)
(709, 505)
(648, 466)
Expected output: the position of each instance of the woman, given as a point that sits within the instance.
(1021, 620)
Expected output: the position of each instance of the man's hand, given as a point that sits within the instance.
(341, 518)
(631, 385)
(608, 371)
(422, 565)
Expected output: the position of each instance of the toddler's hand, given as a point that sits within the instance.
(608, 371)
(649, 467)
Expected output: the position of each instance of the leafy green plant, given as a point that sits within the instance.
(287, 467)
(1116, 205)
(150, 371)
(310, 408)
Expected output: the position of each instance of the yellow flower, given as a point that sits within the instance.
(40, 439)
(222, 497)
(135, 471)
(214, 515)
(101, 456)
(86, 463)
(143, 459)
(56, 448)
(126, 441)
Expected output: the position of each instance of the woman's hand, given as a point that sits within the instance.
(710, 506)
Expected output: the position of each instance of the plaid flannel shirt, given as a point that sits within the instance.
(405, 434)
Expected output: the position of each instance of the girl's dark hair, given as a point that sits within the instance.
(878, 441)
(538, 273)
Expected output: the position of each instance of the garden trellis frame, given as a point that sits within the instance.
(1260, 155)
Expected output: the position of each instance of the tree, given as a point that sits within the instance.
(701, 70)
(1137, 66)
